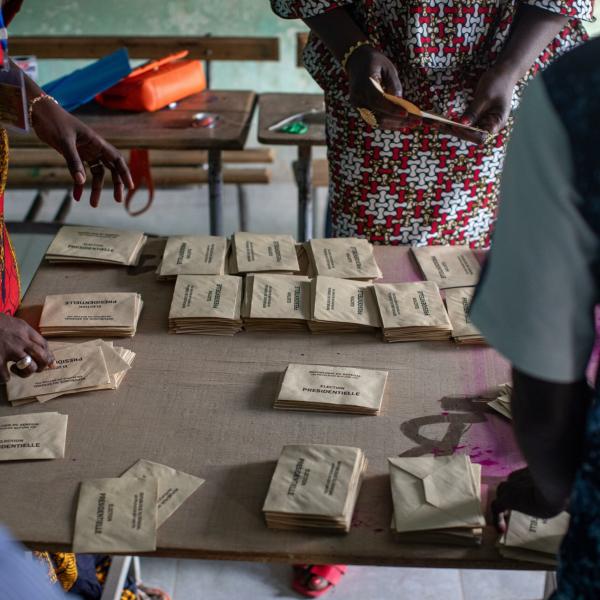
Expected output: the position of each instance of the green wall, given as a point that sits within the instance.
(178, 17)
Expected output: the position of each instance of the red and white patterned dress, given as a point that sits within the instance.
(419, 186)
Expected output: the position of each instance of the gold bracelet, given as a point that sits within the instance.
(352, 50)
(38, 99)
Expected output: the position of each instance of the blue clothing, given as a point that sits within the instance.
(536, 299)
(22, 577)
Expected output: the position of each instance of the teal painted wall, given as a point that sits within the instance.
(179, 17)
(175, 17)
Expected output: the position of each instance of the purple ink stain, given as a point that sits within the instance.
(487, 463)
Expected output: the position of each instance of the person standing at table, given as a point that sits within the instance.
(535, 304)
(393, 179)
(78, 144)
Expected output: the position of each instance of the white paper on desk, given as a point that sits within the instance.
(540, 535)
(434, 493)
(174, 487)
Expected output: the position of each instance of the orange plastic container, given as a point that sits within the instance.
(156, 84)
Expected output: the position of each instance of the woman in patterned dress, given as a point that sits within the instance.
(409, 183)
(402, 181)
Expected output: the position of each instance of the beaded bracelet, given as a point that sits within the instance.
(38, 99)
(352, 50)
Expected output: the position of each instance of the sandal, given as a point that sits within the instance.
(313, 581)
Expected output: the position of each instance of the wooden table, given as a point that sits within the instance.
(174, 130)
(203, 404)
(275, 107)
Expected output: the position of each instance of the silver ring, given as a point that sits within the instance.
(24, 362)
(96, 164)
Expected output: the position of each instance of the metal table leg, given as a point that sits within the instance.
(303, 174)
(215, 191)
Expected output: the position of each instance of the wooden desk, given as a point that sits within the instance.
(274, 107)
(203, 404)
(174, 130)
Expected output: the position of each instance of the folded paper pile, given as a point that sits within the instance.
(412, 311)
(320, 388)
(347, 258)
(315, 487)
(90, 366)
(342, 306)
(448, 266)
(80, 244)
(437, 500)
(37, 436)
(193, 255)
(276, 302)
(458, 303)
(206, 305)
(532, 539)
(258, 253)
(91, 314)
(122, 514)
(501, 403)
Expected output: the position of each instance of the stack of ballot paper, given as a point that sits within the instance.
(276, 302)
(258, 253)
(532, 539)
(348, 258)
(501, 403)
(342, 306)
(437, 500)
(37, 436)
(448, 266)
(90, 366)
(412, 311)
(193, 255)
(206, 305)
(315, 487)
(332, 389)
(96, 245)
(458, 303)
(122, 514)
(91, 314)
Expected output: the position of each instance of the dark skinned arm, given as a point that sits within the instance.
(532, 31)
(549, 422)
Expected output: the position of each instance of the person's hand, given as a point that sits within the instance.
(490, 108)
(78, 144)
(17, 340)
(366, 63)
(519, 492)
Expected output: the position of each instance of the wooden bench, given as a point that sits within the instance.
(44, 169)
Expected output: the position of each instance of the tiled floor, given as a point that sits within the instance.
(191, 580)
(271, 208)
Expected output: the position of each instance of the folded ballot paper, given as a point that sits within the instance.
(315, 487)
(257, 252)
(83, 244)
(88, 314)
(122, 514)
(532, 539)
(501, 403)
(206, 305)
(448, 266)
(437, 500)
(342, 306)
(348, 258)
(276, 302)
(458, 303)
(193, 255)
(412, 311)
(90, 366)
(37, 436)
(320, 388)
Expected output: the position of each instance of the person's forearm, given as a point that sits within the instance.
(550, 422)
(533, 29)
(337, 30)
